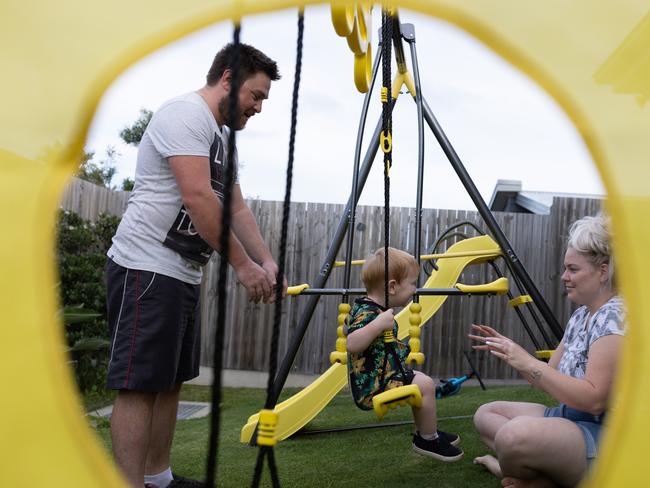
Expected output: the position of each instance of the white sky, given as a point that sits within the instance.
(502, 125)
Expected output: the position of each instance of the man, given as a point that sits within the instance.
(170, 227)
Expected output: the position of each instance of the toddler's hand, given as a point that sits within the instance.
(385, 320)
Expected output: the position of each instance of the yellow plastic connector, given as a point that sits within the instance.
(498, 287)
(386, 142)
(297, 289)
(266, 428)
(415, 320)
(415, 358)
(340, 355)
(545, 354)
(520, 300)
(397, 397)
(384, 94)
(388, 336)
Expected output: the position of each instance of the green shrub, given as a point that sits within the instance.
(82, 247)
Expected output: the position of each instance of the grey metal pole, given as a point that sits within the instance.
(509, 255)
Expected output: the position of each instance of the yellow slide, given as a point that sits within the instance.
(297, 411)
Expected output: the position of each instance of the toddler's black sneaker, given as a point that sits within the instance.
(439, 448)
(453, 439)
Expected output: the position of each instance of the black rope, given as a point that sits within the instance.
(226, 215)
(273, 356)
(386, 122)
(386, 117)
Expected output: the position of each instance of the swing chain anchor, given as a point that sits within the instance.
(415, 319)
(340, 355)
(386, 142)
(268, 421)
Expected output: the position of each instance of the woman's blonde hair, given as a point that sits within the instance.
(591, 236)
(400, 265)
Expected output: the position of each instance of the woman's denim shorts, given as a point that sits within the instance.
(591, 425)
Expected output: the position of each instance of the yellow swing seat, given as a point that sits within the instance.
(396, 397)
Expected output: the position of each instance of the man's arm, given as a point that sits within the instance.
(245, 228)
(192, 175)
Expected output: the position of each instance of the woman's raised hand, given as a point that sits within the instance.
(501, 347)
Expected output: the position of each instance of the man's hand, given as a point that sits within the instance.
(256, 281)
(271, 270)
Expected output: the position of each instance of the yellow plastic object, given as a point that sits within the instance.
(520, 300)
(400, 80)
(598, 77)
(353, 20)
(298, 410)
(296, 289)
(340, 355)
(460, 254)
(363, 70)
(498, 287)
(415, 321)
(383, 94)
(397, 397)
(355, 262)
(428, 257)
(266, 428)
(295, 412)
(343, 14)
(386, 142)
(388, 336)
(546, 354)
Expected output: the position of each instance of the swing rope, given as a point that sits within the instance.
(386, 121)
(267, 450)
(226, 217)
(386, 146)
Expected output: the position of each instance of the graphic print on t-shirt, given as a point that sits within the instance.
(183, 236)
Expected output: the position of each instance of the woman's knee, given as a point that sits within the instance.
(516, 437)
(485, 411)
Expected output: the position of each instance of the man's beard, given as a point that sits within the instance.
(224, 109)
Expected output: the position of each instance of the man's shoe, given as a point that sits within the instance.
(438, 448)
(453, 439)
(183, 482)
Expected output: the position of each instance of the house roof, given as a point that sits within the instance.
(508, 196)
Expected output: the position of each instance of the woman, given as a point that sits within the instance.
(539, 446)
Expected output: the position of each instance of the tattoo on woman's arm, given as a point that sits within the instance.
(536, 375)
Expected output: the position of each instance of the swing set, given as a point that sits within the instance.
(443, 269)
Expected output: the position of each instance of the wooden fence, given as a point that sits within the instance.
(89, 200)
(538, 241)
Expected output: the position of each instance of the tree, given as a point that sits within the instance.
(101, 173)
(133, 135)
(128, 184)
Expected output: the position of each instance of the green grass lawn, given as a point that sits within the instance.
(356, 458)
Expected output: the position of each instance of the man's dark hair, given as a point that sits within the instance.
(251, 61)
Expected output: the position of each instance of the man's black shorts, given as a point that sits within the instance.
(155, 329)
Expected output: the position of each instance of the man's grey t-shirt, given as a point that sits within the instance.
(156, 233)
